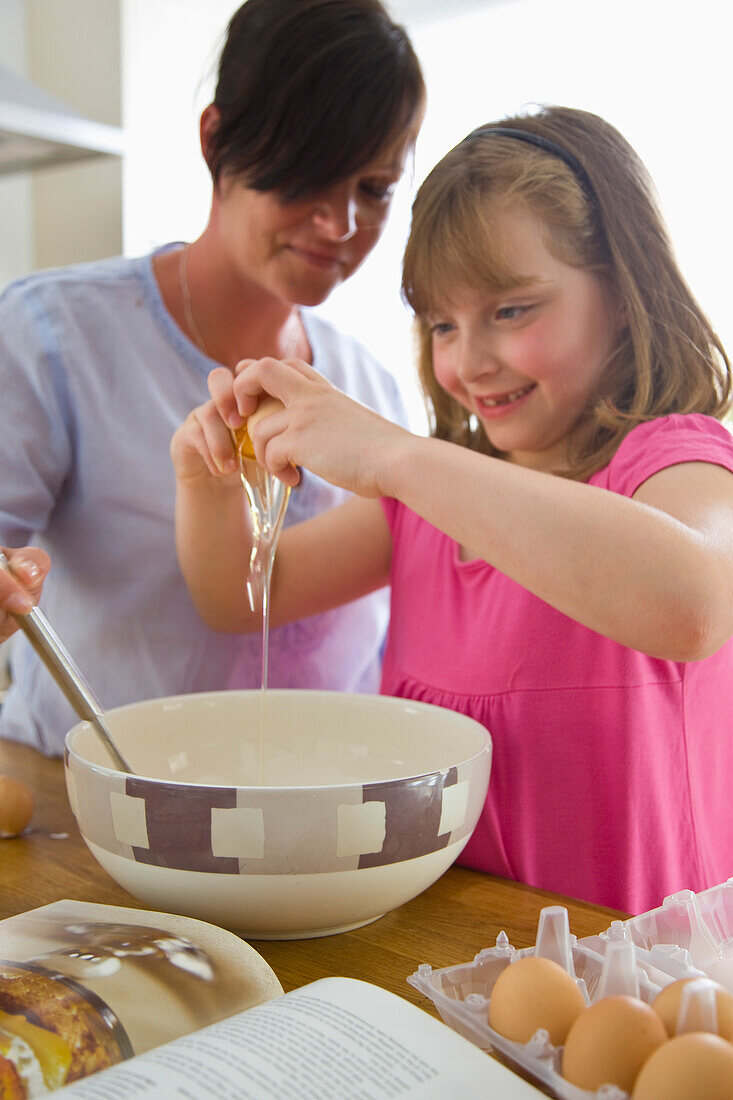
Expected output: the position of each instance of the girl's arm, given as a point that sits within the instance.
(338, 556)
(654, 573)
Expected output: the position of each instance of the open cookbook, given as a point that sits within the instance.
(107, 1003)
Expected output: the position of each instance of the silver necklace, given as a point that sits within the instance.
(186, 295)
(293, 320)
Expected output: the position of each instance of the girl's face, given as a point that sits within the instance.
(299, 251)
(527, 361)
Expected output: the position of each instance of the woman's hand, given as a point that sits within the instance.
(20, 590)
(319, 427)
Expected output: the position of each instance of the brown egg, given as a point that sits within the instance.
(667, 1005)
(242, 439)
(610, 1042)
(693, 1066)
(531, 993)
(16, 806)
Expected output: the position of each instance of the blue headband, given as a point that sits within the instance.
(542, 143)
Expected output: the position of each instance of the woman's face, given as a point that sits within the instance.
(300, 251)
(528, 361)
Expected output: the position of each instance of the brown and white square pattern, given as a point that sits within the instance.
(272, 831)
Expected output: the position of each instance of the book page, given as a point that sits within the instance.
(336, 1039)
(83, 987)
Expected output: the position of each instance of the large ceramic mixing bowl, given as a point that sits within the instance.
(333, 810)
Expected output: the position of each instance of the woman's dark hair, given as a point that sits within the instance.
(310, 91)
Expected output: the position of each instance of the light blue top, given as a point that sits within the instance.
(95, 376)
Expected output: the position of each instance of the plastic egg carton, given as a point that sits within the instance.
(696, 928)
(604, 965)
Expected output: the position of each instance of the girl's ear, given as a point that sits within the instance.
(209, 124)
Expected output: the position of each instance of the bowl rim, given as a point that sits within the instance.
(389, 700)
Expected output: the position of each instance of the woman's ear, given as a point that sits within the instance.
(209, 124)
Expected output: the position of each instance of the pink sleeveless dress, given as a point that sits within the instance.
(611, 776)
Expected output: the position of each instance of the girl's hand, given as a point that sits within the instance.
(20, 590)
(202, 449)
(319, 428)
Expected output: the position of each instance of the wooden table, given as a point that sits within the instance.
(449, 923)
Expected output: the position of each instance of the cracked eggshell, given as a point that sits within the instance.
(265, 406)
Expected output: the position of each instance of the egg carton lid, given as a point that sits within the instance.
(695, 928)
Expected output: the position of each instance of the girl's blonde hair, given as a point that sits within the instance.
(669, 358)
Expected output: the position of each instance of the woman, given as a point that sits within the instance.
(317, 107)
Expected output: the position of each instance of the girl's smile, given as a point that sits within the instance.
(528, 361)
(498, 404)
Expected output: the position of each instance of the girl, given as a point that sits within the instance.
(561, 550)
(316, 109)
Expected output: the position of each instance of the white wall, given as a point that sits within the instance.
(74, 54)
(16, 230)
(166, 187)
(658, 71)
(71, 213)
